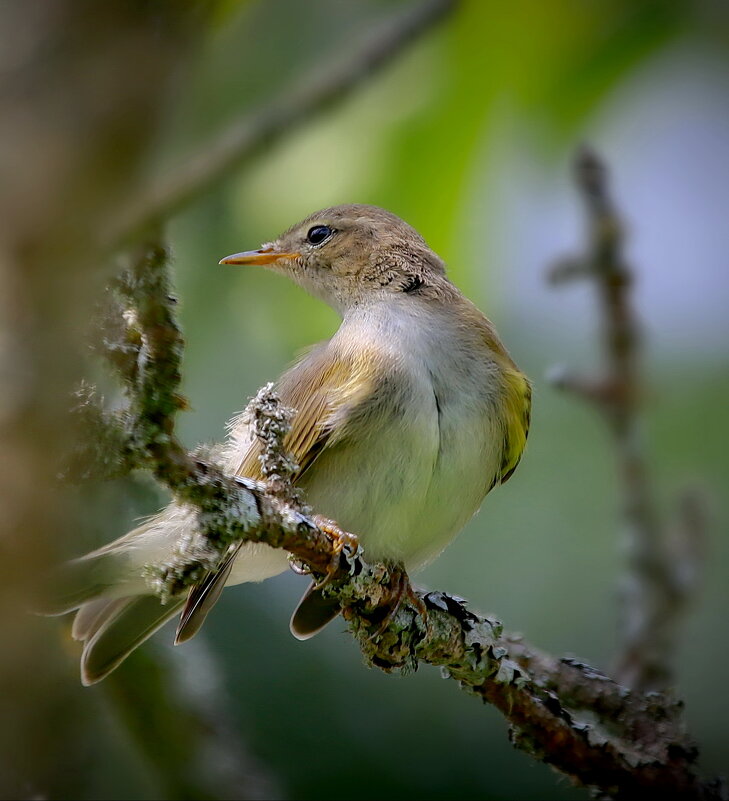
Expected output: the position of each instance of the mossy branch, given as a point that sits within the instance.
(561, 712)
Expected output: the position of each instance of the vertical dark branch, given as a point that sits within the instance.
(651, 592)
(647, 587)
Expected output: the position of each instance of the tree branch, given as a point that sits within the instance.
(253, 131)
(661, 575)
(560, 711)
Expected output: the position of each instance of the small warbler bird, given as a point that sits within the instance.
(404, 420)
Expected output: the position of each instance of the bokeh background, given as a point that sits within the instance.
(469, 136)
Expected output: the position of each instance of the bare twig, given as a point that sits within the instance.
(624, 744)
(654, 593)
(258, 129)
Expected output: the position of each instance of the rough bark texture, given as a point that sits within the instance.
(620, 741)
(83, 86)
(69, 162)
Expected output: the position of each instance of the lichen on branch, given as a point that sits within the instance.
(560, 711)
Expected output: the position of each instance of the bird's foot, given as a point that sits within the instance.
(402, 590)
(341, 540)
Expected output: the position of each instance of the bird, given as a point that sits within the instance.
(402, 422)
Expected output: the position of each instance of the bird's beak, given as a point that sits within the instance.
(267, 254)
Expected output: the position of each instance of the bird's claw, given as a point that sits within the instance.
(402, 590)
(341, 540)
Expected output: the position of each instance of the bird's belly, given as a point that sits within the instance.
(408, 490)
(467, 462)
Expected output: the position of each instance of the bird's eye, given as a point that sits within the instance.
(318, 234)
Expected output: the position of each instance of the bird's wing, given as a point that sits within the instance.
(323, 389)
(518, 398)
(203, 597)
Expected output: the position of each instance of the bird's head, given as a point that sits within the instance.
(348, 255)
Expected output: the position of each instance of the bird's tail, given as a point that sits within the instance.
(111, 629)
(313, 613)
(75, 583)
(115, 610)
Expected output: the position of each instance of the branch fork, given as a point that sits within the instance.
(603, 735)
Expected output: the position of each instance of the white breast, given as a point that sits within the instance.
(420, 469)
(416, 467)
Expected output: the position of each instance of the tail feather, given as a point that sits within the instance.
(115, 611)
(116, 570)
(115, 629)
(313, 613)
(91, 616)
(76, 583)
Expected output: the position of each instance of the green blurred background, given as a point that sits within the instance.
(469, 137)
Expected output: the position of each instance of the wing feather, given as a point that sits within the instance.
(518, 415)
(323, 389)
(203, 597)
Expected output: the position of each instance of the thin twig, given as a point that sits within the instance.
(653, 594)
(255, 130)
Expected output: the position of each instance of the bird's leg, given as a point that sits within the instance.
(341, 540)
(401, 589)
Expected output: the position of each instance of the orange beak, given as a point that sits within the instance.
(264, 255)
